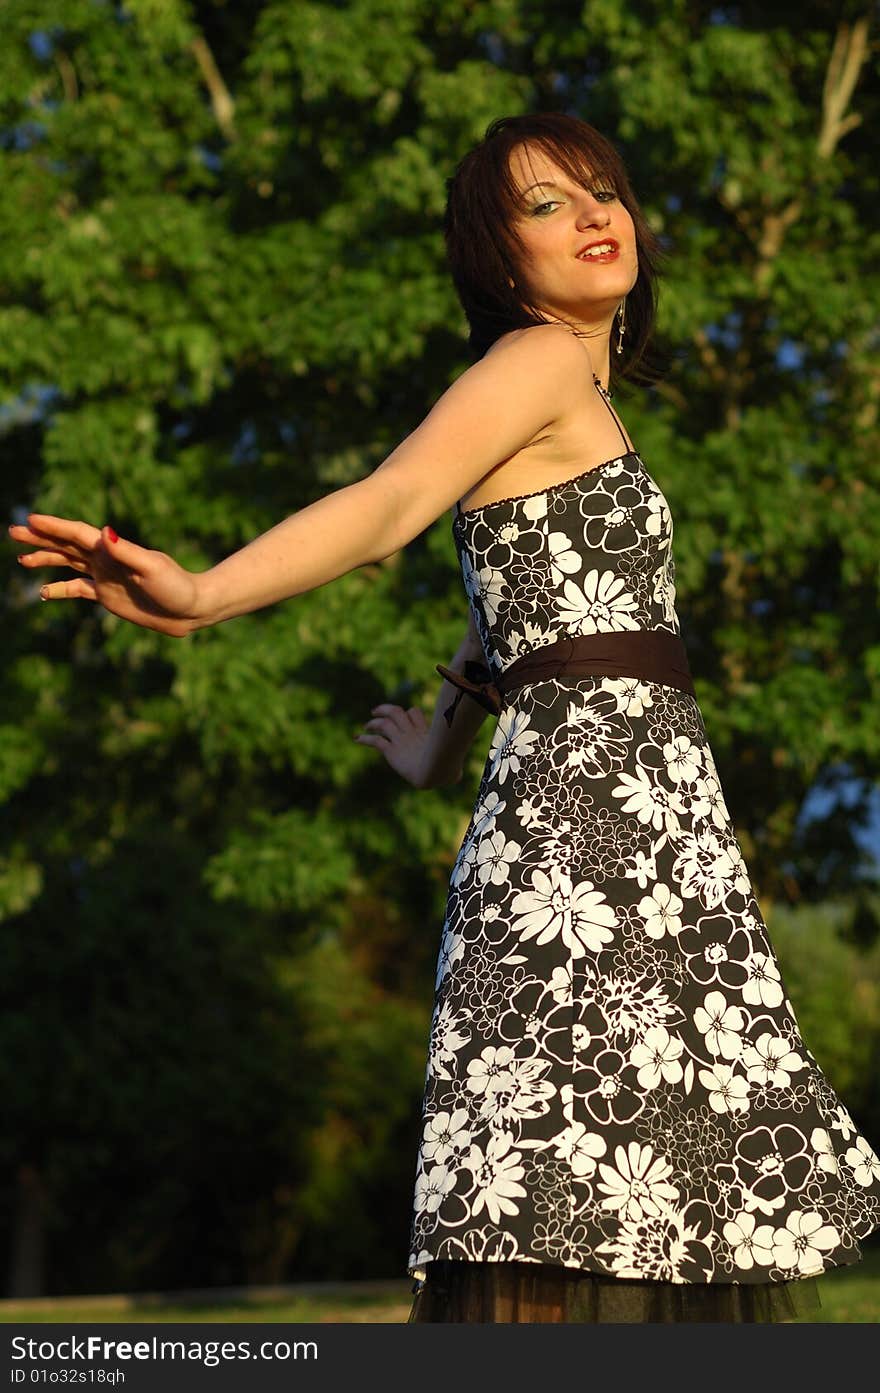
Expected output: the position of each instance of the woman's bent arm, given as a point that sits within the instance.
(447, 746)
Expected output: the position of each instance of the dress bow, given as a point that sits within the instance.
(477, 681)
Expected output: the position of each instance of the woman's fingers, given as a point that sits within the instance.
(82, 589)
(394, 714)
(64, 532)
(400, 719)
(138, 561)
(54, 551)
(380, 729)
(75, 545)
(399, 737)
(144, 586)
(81, 534)
(389, 721)
(51, 558)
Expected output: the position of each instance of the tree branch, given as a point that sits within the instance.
(68, 75)
(848, 54)
(222, 103)
(709, 356)
(847, 57)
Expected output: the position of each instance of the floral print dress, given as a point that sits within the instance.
(616, 1081)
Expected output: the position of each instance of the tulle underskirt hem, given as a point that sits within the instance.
(493, 1292)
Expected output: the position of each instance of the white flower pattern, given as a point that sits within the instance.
(616, 1080)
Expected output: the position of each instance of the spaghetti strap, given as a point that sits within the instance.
(604, 395)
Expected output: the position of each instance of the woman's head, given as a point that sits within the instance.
(513, 247)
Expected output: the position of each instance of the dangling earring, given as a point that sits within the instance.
(621, 328)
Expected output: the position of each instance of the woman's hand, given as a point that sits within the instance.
(146, 587)
(402, 737)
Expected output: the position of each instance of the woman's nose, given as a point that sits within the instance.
(594, 214)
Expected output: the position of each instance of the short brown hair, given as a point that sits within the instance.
(484, 248)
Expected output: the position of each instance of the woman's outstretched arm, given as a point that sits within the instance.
(520, 388)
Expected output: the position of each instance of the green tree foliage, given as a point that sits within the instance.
(834, 984)
(222, 295)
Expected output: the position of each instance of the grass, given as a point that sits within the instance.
(311, 1303)
(852, 1294)
(848, 1295)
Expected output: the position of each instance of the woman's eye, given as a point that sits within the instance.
(606, 195)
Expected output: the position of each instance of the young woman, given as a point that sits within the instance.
(621, 1121)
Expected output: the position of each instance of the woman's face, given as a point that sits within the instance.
(558, 219)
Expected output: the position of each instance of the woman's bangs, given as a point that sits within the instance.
(582, 164)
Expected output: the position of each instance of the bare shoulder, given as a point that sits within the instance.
(522, 387)
(539, 344)
(542, 364)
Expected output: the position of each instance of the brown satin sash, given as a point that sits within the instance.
(655, 655)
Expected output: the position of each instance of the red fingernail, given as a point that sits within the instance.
(111, 534)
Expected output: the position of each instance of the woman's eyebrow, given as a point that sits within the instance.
(544, 184)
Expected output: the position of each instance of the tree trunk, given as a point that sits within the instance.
(27, 1258)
